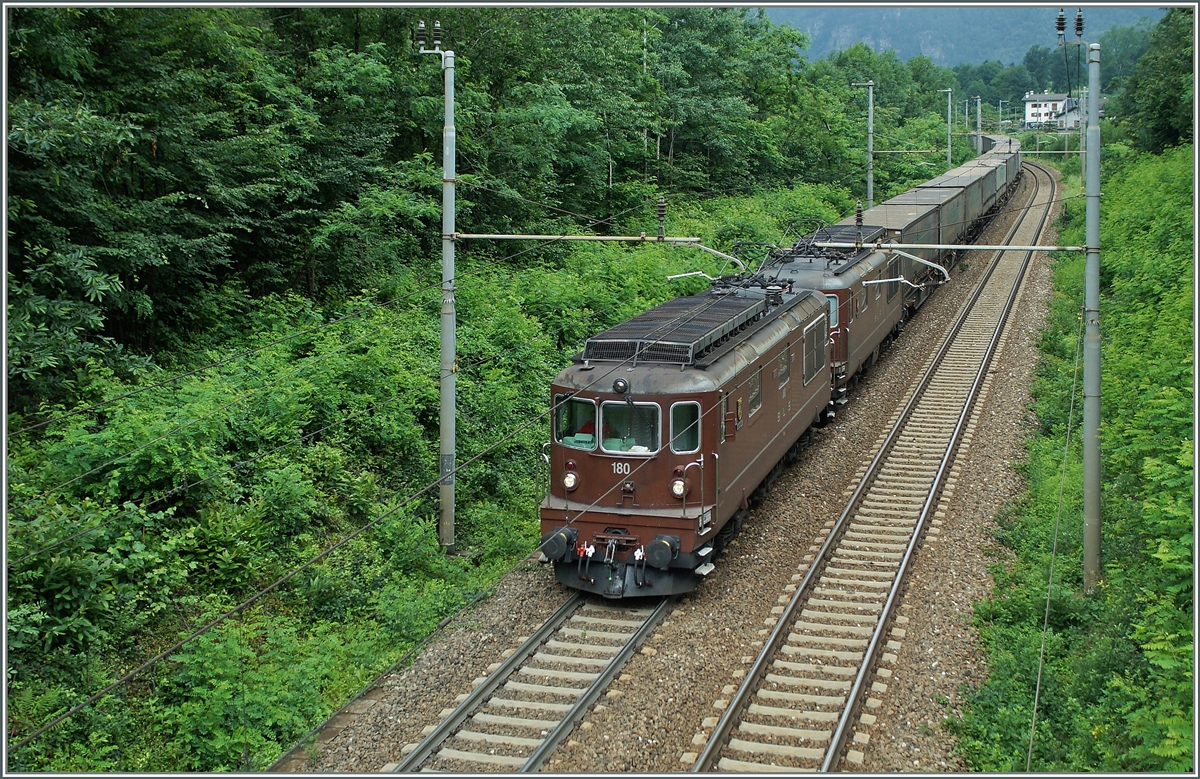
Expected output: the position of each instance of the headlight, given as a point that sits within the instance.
(570, 480)
(678, 488)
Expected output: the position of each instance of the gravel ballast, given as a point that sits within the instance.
(650, 717)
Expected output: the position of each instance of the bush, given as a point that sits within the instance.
(1118, 681)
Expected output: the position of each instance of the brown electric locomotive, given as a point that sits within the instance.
(666, 423)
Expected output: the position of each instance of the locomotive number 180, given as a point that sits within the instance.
(622, 468)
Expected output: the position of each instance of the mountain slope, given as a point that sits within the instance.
(949, 36)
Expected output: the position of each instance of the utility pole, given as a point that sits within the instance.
(1091, 338)
(1091, 309)
(949, 159)
(1000, 127)
(448, 366)
(978, 125)
(1083, 95)
(870, 85)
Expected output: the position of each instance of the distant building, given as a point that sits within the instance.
(1043, 109)
(1055, 111)
(1070, 116)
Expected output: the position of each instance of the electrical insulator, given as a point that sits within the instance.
(858, 215)
(421, 34)
(662, 217)
(437, 35)
(1061, 24)
(1079, 24)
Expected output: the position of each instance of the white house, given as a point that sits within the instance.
(1044, 108)
(1073, 113)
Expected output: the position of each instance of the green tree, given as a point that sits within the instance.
(1039, 62)
(1157, 100)
(927, 78)
(1121, 48)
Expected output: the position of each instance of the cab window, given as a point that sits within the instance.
(630, 427)
(575, 422)
(685, 427)
(833, 310)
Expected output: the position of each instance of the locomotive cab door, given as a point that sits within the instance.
(838, 329)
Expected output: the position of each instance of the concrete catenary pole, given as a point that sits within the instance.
(870, 144)
(949, 157)
(978, 125)
(447, 364)
(1091, 338)
(870, 85)
(1083, 123)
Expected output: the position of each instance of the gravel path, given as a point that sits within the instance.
(647, 720)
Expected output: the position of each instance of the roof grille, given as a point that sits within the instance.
(676, 331)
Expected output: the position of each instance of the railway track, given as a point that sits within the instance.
(805, 692)
(517, 715)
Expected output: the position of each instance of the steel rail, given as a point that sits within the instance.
(720, 734)
(577, 713)
(477, 696)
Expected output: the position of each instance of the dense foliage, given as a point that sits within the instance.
(1156, 104)
(248, 199)
(1117, 687)
(167, 163)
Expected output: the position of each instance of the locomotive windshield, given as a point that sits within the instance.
(630, 427)
(575, 422)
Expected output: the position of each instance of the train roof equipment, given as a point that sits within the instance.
(697, 330)
(836, 261)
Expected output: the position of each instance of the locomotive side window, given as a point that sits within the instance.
(685, 428)
(814, 349)
(781, 372)
(575, 422)
(893, 272)
(878, 289)
(630, 427)
(755, 391)
(833, 310)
